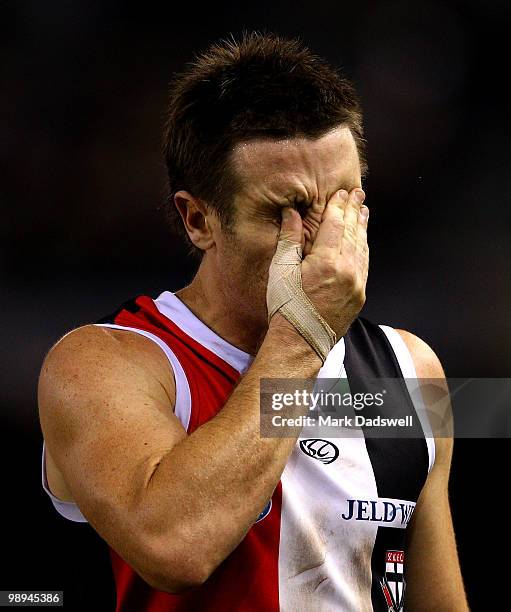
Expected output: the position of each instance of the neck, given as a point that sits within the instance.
(210, 303)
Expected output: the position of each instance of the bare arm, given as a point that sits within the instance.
(154, 493)
(172, 505)
(433, 573)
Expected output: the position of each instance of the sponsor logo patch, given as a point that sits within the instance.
(393, 583)
(322, 450)
(382, 511)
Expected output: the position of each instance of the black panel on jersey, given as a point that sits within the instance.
(400, 465)
(129, 305)
(369, 355)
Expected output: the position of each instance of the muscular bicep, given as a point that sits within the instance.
(106, 407)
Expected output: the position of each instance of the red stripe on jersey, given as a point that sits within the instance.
(247, 580)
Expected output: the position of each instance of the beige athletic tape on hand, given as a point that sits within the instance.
(285, 294)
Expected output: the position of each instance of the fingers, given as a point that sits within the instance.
(291, 226)
(330, 233)
(351, 222)
(339, 225)
(311, 222)
(363, 218)
(362, 246)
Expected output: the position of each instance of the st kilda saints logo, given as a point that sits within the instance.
(393, 583)
(322, 450)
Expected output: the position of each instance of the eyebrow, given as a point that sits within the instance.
(300, 201)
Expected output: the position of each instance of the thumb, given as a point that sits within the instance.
(291, 227)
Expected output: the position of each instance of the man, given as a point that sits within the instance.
(151, 418)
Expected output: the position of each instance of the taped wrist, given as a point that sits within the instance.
(285, 295)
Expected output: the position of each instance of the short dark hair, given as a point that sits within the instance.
(262, 86)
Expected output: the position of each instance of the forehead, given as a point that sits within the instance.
(299, 167)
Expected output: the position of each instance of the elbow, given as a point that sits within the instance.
(176, 580)
(177, 573)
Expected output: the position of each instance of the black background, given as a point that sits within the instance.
(84, 91)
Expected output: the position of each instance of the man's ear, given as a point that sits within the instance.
(196, 218)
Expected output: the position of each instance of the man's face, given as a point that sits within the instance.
(298, 172)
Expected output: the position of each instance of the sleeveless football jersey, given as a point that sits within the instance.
(332, 536)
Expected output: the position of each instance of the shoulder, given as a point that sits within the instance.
(93, 345)
(426, 362)
(93, 357)
(97, 339)
(434, 391)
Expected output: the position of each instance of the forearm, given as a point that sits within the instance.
(209, 489)
(433, 575)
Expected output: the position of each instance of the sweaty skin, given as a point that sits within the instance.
(297, 173)
(172, 505)
(175, 505)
